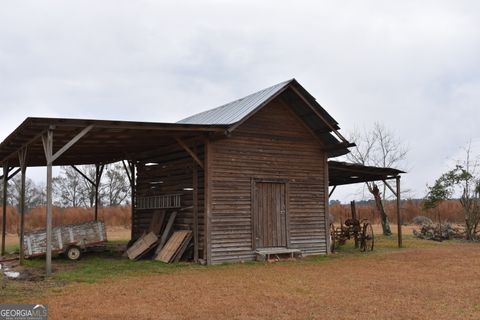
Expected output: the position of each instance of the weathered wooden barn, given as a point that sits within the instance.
(264, 181)
(249, 175)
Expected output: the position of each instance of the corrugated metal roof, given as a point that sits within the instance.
(235, 111)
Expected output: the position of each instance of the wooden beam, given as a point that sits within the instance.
(83, 175)
(26, 144)
(329, 125)
(127, 171)
(327, 206)
(331, 191)
(133, 191)
(98, 176)
(48, 146)
(190, 152)
(207, 255)
(11, 176)
(22, 159)
(70, 143)
(195, 210)
(390, 187)
(4, 206)
(399, 218)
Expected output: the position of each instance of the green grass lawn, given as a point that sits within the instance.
(96, 266)
(93, 267)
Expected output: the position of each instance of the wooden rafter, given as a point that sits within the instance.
(70, 143)
(190, 152)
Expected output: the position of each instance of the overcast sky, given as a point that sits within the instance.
(412, 65)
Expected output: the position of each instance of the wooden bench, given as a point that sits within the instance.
(265, 253)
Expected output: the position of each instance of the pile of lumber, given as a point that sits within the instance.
(167, 245)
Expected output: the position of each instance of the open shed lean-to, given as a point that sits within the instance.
(250, 175)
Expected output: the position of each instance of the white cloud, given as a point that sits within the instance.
(411, 65)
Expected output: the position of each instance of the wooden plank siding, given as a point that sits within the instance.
(272, 144)
(168, 173)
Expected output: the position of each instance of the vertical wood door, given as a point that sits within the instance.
(270, 210)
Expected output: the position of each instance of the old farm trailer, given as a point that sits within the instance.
(252, 175)
(71, 240)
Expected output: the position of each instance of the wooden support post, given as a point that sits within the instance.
(354, 217)
(195, 210)
(48, 147)
(207, 253)
(399, 218)
(98, 177)
(130, 170)
(327, 206)
(22, 158)
(4, 206)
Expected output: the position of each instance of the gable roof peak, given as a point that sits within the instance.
(236, 110)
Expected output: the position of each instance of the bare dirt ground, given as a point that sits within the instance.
(441, 282)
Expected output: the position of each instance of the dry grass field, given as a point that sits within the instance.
(426, 280)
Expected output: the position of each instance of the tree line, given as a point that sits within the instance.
(72, 189)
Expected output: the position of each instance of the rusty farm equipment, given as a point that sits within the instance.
(360, 231)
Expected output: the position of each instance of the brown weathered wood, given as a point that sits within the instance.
(195, 211)
(208, 202)
(98, 177)
(4, 206)
(399, 216)
(166, 233)
(183, 247)
(22, 155)
(130, 171)
(190, 152)
(48, 147)
(156, 223)
(270, 214)
(390, 187)
(173, 245)
(265, 149)
(25, 145)
(70, 143)
(327, 123)
(142, 245)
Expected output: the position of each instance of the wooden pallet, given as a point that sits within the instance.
(142, 245)
(175, 246)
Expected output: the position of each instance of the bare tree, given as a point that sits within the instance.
(33, 193)
(67, 187)
(87, 189)
(115, 188)
(378, 147)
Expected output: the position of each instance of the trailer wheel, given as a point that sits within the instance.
(73, 253)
